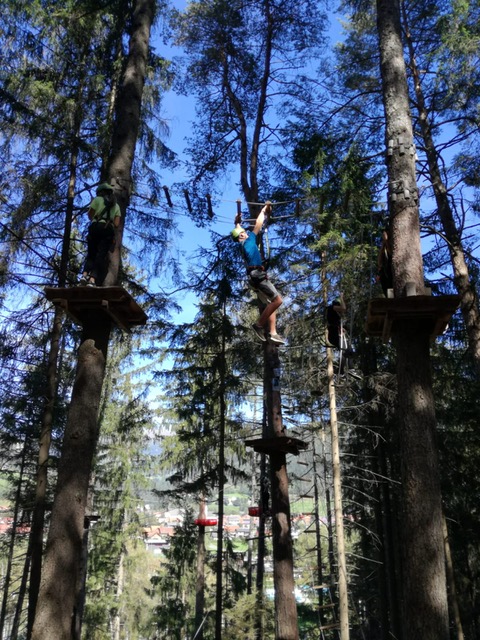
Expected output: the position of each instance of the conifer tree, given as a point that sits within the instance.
(423, 570)
(54, 614)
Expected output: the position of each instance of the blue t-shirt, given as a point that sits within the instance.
(250, 251)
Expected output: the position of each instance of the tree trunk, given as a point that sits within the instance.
(452, 589)
(58, 589)
(11, 543)
(318, 537)
(461, 276)
(221, 486)
(264, 505)
(425, 613)
(116, 621)
(337, 501)
(200, 583)
(81, 589)
(127, 120)
(55, 607)
(38, 519)
(22, 592)
(286, 625)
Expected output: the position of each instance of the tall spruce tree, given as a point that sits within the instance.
(57, 597)
(425, 608)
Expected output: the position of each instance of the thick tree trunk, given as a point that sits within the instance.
(58, 589)
(127, 120)
(423, 558)
(286, 625)
(425, 614)
(38, 519)
(461, 277)
(55, 608)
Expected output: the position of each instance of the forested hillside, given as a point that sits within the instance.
(168, 471)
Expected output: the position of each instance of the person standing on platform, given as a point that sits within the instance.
(335, 313)
(269, 298)
(104, 214)
(384, 264)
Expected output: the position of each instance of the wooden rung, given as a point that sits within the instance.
(386, 314)
(280, 444)
(325, 627)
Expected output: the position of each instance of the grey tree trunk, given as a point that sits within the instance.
(337, 501)
(425, 613)
(318, 536)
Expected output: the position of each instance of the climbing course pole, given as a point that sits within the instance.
(286, 626)
(337, 499)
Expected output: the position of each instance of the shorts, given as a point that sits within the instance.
(262, 286)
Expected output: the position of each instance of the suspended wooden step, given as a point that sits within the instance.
(333, 625)
(114, 301)
(434, 311)
(281, 444)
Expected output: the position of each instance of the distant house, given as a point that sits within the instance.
(157, 538)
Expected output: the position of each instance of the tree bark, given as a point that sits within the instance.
(423, 558)
(55, 608)
(425, 612)
(58, 588)
(286, 625)
(461, 277)
(127, 120)
(337, 501)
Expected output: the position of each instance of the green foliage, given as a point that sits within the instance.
(173, 587)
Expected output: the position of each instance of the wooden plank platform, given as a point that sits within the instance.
(385, 313)
(281, 444)
(114, 301)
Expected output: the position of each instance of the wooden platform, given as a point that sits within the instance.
(284, 444)
(115, 301)
(385, 313)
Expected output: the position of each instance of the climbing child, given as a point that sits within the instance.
(337, 336)
(104, 214)
(269, 298)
